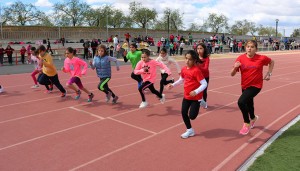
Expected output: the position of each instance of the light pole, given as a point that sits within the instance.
(168, 13)
(276, 26)
(1, 22)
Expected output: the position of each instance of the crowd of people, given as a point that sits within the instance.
(194, 75)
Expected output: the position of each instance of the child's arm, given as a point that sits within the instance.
(116, 61)
(235, 68)
(200, 88)
(179, 81)
(85, 66)
(163, 66)
(92, 64)
(138, 69)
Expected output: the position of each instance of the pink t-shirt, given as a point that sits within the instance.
(150, 73)
(75, 66)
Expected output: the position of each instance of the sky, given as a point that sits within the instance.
(263, 12)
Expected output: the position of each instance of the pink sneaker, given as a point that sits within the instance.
(253, 121)
(245, 130)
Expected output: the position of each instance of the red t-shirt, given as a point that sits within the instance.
(252, 70)
(192, 77)
(204, 67)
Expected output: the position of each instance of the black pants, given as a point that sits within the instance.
(1, 58)
(137, 78)
(103, 86)
(9, 59)
(246, 103)
(189, 110)
(44, 79)
(85, 53)
(164, 82)
(181, 50)
(149, 85)
(158, 49)
(22, 58)
(205, 90)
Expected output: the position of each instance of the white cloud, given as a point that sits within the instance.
(43, 3)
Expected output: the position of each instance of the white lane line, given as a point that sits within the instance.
(232, 155)
(83, 111)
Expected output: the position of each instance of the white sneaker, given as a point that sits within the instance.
(108, 96)
(203, 104)
(189, 133)
(143, 104)
(35, 86)
(1, 89)
(163, 99)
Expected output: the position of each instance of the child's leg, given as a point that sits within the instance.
(103, 86)
(56, 82)
(138, 78)
(33, 76)
(70, 83)
(194, 109)
(142, 88)
(163, 82)
(80, 86)
(153, 90)
(184, 113)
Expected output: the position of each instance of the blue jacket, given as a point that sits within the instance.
(103, 66)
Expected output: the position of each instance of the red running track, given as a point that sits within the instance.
(44, 132)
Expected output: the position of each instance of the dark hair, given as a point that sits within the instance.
(205, 53)
(134, 45)
(164, 50)
(194, 56)
(33, 48)
(146, 52)
(102, 47)
(71, 50)
(42, 48)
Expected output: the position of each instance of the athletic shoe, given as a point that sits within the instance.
(48, 91)
(63, 94)
(253, 121)
(51, 87)
(172, 80)
(245, 130)
(115, 99)
(188, 133)
(1, 89)
(143, 104)
(163, 99)
(35, 86)
(203, 104)
(108, 96)
(91, 96)
(78, 93)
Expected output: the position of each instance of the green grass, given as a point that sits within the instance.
(283, 154)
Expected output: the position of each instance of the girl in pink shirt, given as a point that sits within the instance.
(147, 68)
(74, 65)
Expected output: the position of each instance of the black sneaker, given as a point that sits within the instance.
(115, 99)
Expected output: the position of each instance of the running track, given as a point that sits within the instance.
(44, 132)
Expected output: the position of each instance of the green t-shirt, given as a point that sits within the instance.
(134, 57)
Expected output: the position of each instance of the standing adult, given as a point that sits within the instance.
(94, 45)
(9, 51)
(251, 65)
(63, 40)
(49, 46)
(86, 46)
(116, 42)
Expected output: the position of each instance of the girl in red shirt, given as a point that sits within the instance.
(194, 84)
(204, 67)
(9, 51)
(251, 65)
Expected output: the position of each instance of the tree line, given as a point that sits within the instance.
(77, 13)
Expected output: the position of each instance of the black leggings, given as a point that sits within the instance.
(189, 110)
(103, 86)
(149, 85)
(205, 90)
(46, 80)
(246, 103)
(164, 82)
(137, 78)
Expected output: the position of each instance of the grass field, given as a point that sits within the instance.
(283, 154)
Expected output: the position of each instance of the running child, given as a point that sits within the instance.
(37, 66)
(251, 66)
(147, 68)
(76, 67)
(134, 56)
(167, 60)
(49, 74)
(202, 51)
(101, 63)
(194, 84)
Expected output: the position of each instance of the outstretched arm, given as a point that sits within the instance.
(235, 68)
